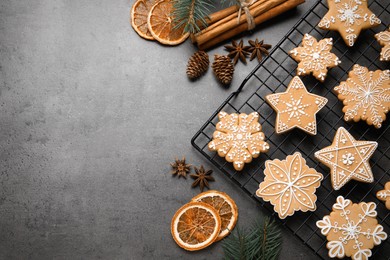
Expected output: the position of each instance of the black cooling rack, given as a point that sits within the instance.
(273, 75)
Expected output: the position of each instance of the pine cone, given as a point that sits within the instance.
(197, 64)
(223, 69)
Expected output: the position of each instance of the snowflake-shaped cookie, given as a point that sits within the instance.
(238, 138)
(349, 18)
(365, 95)
(384, 40)
(347, 159)
(315, 57)
(352, 229)
(384, 195)
(290, 185)
(296, 108)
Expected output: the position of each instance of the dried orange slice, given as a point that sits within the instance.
(225, 206)
(139, 17)
(161, 24)
(195, 226)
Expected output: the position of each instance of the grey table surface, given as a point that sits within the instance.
(91, 116)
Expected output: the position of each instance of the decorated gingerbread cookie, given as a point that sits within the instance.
(384, 40)
(238, 138)
(315, 57)
(365, 95)
(296, 108)
(349, 18)
(290, 185)
(352, 229)
(384, 195)
(347, 159)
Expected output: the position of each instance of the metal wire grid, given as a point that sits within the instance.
(272, 76)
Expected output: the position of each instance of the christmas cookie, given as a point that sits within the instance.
(296, 108)
(384, 40)
(315, 57)
(238, 138)
(349, 18)
(384, 195)
(365, 95)
(352, 229)
(347, 159)
(290, 185)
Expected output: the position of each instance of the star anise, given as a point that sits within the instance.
(202, 178)
(237, 51)
(180, 168)
(258, 48)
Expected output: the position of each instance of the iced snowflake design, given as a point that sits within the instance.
(315, 57)
(290, 185)
(349, 18)
(296, 108)
(366, 95)
(384, 40)
(352, 229)
(384, 195)
(347, 159)
(238, 138)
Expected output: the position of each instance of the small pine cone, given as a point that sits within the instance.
(223, 69)
(197, 64)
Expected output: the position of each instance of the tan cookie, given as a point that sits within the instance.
(290, 185)
(384, 195)
(384, 40)
(347, 159)
(349, 18)
(296, 108)
(238, 138)
(315, 57)
(352, 229)
(365, 95)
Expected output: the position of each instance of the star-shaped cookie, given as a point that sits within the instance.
(315, 57)
(347, 159)
(384, 40)
(384, 195)
(296, 108)
(349, 18)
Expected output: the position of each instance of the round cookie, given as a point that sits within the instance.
(238, 138)
(352, 229)
(290, 185)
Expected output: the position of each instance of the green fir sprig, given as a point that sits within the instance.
(262, 241)
(191, 14)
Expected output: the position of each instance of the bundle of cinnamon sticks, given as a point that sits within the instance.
(225, 24)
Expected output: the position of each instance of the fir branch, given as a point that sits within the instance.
(263, 241)
(191, 13)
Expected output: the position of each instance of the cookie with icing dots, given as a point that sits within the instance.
(290, 185)
(238, 138)
(315, 57)
(349, 18)
(365, 95)
(384, 40)
(384, 195)
(352, 229)
(347, 159)
(296, 108)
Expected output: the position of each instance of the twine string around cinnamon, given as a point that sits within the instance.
(244, 5)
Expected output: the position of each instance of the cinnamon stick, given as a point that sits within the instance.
(288, 5)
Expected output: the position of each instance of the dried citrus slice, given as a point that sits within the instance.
(226, 207)
(195, 226)
(139, 17)
(161, 25)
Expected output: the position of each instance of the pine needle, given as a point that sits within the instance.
(263, 241)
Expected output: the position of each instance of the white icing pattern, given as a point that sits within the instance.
(238, 138)
(290, 185)
(352, 229)
(384, 39)
(366, 95)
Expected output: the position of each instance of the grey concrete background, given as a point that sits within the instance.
(91, 116)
